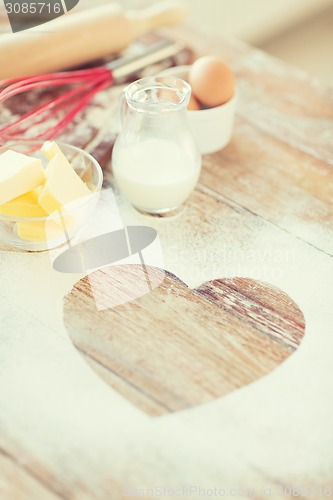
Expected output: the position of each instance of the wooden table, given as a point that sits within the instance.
(203, 386)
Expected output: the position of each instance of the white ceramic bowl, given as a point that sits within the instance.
(211, 127)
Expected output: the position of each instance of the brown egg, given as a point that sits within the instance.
(193, 105)
(212, 81)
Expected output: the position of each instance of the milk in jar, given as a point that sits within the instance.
(156, 161)
(156, 175)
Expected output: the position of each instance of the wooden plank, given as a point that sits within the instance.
(123, 386)
(24, 475)
(282, 100)
(175, 347)
(284, 186)
(19, 484)
(264, 307)
(281, 110)
(271, 321)
(277, 167)
(279, 163)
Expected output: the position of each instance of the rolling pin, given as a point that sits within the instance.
(77, 38)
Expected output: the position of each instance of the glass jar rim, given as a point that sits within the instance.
(136, 91)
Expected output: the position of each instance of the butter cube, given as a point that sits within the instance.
(50, 149)
(40, 230)
(18, 175)
(25, 205)
(62, 187)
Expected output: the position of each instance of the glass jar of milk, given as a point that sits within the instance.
(156, 161)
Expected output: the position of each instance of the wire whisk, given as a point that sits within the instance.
(82, 86)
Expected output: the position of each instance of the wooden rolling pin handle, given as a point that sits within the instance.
(80, 37)
(160, 14)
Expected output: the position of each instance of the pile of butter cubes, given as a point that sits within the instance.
(28, 191)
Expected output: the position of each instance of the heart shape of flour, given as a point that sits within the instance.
(174, 347)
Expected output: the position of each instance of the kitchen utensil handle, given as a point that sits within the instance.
(166, 13)
(130, 65)
(79, 37)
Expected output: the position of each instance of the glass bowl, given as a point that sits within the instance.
(45, 233)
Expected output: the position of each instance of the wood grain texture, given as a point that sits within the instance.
(19, 484)
(277, 172)
(279, 163)
(264, 307)
(278, 98)
(268, 177)
(175, 348)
